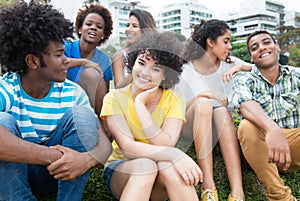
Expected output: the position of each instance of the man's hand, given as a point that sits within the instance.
(279, 150)
(71, 165)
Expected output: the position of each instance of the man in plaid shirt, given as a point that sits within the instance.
(268, 98)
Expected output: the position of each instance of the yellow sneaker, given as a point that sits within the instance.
(209, 195)
(230, 198)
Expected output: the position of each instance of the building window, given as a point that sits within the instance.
(173, 12)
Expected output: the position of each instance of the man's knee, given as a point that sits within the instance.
(82, 113)
(78, 110)
(87, 125)
(10, 170)
(7, 119)
(9, 122)
(248, 132)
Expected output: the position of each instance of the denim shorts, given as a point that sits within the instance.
(108, 173)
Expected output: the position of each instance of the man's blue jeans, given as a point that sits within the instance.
(78, 130)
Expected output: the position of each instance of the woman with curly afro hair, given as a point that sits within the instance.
(145, 119)
(93, 71)
(48, 130)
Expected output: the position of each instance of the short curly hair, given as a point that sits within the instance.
(27, 28)
(166, 49)
(100, 10)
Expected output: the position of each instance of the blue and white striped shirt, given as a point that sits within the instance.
(37, 118)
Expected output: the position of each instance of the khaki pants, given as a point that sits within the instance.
(252, 140)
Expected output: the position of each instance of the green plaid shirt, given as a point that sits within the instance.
(281, 102)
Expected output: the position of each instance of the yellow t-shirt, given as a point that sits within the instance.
(120, 101)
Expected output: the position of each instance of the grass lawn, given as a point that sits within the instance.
(254, 191)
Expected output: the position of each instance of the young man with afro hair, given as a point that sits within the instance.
(49, 135)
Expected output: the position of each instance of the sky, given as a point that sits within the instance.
(218, 6)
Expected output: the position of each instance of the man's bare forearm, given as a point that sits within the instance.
(14, 149)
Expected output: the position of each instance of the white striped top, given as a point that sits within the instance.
(37, 118)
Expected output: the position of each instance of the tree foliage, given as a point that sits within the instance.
(294, 58)
(109, 50)
(6, 2)
(239, 49)
(288, 36)
(289, 42)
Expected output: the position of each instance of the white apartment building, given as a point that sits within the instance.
(181, 16)
(277, 7)
(290, 19)
(256, 15)
(241, 25)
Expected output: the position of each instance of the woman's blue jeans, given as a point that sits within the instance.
(78, 130)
